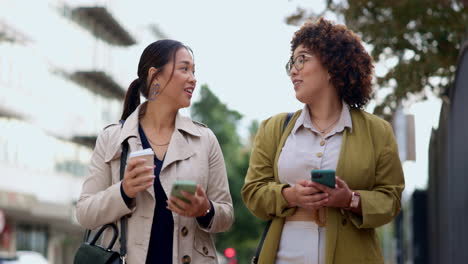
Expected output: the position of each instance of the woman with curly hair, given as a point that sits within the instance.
(311, 223)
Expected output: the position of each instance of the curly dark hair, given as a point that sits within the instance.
(341, 52)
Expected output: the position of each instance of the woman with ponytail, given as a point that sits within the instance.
(161, 228)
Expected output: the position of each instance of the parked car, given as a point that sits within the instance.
(26, 257)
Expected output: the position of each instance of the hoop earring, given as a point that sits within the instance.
(154, 92)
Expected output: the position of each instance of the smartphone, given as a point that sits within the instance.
(187, 186)
(325, 177)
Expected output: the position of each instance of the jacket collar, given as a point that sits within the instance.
(130, 131)
(344, 121)
(130, 127)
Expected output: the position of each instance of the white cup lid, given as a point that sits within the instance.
(139, 153)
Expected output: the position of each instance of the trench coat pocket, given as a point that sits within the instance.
(204, 246)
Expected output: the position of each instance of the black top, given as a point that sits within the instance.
(160, 245)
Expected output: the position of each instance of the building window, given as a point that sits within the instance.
(32, 238)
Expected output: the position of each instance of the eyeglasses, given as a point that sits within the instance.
(298, 63)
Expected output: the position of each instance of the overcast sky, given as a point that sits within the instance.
(240, 47)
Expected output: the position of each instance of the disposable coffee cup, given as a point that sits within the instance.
(146, 154)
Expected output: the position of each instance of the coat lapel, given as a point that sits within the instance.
(179, 149)
(349, 143)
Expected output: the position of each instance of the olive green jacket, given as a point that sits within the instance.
(368, 162)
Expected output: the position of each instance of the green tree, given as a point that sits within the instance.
(221, 120)
(245, 233)
(423, 37)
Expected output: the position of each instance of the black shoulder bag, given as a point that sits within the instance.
(89, 252)
(267, 227)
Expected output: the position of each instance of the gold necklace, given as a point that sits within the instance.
(159, 145)
(322, 131)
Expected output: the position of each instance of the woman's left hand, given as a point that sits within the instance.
(197, 207)
(339, 197)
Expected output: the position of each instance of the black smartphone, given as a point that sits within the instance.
(325, 177)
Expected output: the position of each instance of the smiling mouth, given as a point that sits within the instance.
(189, 90)
(296, 84)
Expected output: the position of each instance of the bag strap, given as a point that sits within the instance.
(99, 232)
(268, 224)
(286, 122)
(123, 220)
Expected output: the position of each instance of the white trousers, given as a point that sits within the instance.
(302, 242)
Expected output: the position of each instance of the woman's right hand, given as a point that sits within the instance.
(133, 181)
(302, 194)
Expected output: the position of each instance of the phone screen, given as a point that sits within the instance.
(325, 177)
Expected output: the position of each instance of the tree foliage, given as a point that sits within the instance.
(244, 234)
(221, 120)
(423, 37)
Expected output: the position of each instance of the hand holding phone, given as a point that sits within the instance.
(186, 186)
(198, 205)
(325, 177)
(303, 195)
(340, 195)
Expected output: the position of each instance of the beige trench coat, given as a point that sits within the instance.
(193, 154)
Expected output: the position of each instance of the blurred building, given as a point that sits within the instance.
(403, 127)
(60, 83)
(433, 227)
(447, 192)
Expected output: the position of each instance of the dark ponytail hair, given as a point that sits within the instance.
(132, 98)
(156, 55)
